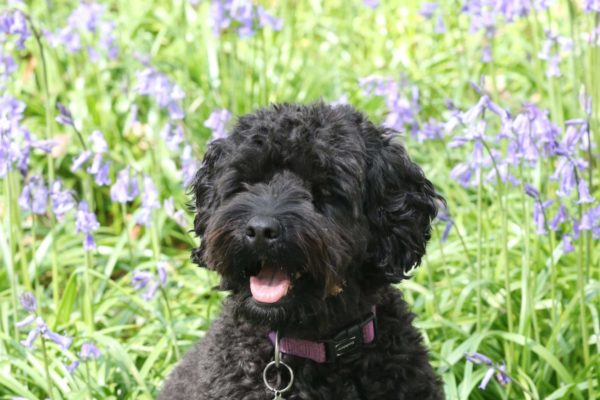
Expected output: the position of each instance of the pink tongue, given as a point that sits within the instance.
(270, 285)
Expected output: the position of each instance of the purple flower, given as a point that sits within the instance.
(499, 370)
(150, 201)
(431, 130)
(189, 165)
(62, 200)
(178, 216)
(217, 121)
(539, 215)
(486, 378)
(567, 244)
(125, 188)
(591, 6)
(86, 222)
(462, 173)
(440, 27)
(41, 328)
(88, 350)
(26, 321)
(161, 267)
(88, 19)
(560, 217)
(584, 192)
(372, 4)
(101, 176)
(64, 116)
(99, 170)
(71, 367)
(531, 191)
(99, 145)
(150, 281)
(590, 221)
(14, 23)
(62, 340)
(80, 160)
(28, 302)
(34, 196)
(427, 9)
(140, 279)
(173, 136)
(167, 94)
(31, 336)
(565, 174)
(266, 19)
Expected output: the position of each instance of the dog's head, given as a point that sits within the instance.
(306, 206)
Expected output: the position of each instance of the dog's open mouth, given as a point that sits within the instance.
(270, 285)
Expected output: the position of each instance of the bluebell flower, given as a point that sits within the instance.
(86, 223)
(166, 94)
(440, 27)
(539, 215)
(497, 370)
(34, 196)
(178, 216)
(560, 217)
(590, 221)
(173, 136)
(88, 19)
(427, 9)
(265, 19)
(14, 23)
(531, 191)
(72, 366)
(150, 202)
(567, 244)
(218, 121)
(590, 6)
(64, 116)
(80, 160)
(62, 200)
(189, 165)
(150, 281)
(28, 301)
(88, 350)
(125, 188)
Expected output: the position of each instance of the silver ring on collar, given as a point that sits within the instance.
(271, 388)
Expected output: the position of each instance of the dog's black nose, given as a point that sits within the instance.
(262, 230)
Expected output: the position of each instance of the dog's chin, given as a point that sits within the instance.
(273, 315)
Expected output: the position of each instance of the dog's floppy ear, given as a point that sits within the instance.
(400, 205)
(204, 196)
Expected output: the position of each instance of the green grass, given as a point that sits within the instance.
(494, 286)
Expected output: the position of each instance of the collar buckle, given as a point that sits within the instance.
(348, 340)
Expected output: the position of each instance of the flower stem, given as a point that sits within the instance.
(156, 253)
(48, 130)
(88, 310)
(479, 249)
(47, 370)
(11, 239)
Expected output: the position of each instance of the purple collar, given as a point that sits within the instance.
(327, 351)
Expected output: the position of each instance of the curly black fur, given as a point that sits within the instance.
(355, 215)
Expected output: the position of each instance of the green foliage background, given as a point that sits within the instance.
(461, 294)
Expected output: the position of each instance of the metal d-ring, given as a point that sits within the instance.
(271, 388)
(278, 363)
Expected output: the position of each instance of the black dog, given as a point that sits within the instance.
(309, 213)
